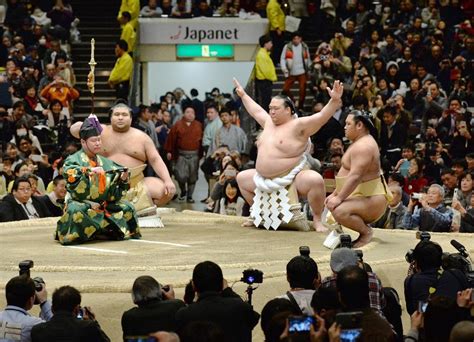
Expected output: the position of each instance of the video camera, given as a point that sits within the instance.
(25, 267)
(346, 241)
(252, 276)
(460, 261)
(422, 236)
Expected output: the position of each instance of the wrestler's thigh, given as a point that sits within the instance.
(245, 179)
(307, 180)
(368, 208)
(155, 187)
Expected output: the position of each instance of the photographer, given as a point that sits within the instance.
(21, 294)
(217, 303)
(303, 276)
(427, 211)
(70, 322)
(155, 311)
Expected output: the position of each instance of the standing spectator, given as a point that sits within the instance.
(21, 294)
(152, 10)
(122, 72)
(265, 73)
(183, 145)
(214, 124)
(229, 135)
(146, 125)
(65, 324)
(294, 62)
(392, 136)
(198, 105)
(276, 17)
(128, 32)
(132, 7)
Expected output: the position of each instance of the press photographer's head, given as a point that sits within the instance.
(427, 256)
(20, 291)
(145, 289)
(302, 272)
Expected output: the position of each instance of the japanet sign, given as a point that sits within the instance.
(201, 30)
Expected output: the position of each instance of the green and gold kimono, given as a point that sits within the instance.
(95, 207)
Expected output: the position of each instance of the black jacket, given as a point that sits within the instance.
(10, 210)
(65, 327)
(152, 316)
(54, 210)
(235, 317)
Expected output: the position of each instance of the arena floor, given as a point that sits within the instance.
(104, 271)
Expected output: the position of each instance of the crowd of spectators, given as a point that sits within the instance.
(350, 300)
(37, 97)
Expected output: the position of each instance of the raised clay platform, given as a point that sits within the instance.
(104, 271)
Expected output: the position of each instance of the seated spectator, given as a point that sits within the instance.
(56, 115)
(48, 77)
(459, 167)
(65, 324)
(61, 91)
(202, 9)
(166, 7)
(33, 105)
(19, 115)
(156, 308)
(151, 10)
(344, 257)
(20, 204)
(231, 202)
(462, 142)
(182, 9)
(25, 140)
(303, 277)
(227, 173)
(467, 215)
(392, 137)
(217, 303)
(54, 201)
(64, 70)
(428, 213)
(353, 288)
(61, 19)
(393, 218)
(415, 182)
(450, 182)
(53, 52)
(403, 165)
(21, 294)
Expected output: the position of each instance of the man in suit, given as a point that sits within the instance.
(54, 201)
(217, 303)
(393, 218)
(70, 322)
(155, 311)
(20, 204)
(392, 137)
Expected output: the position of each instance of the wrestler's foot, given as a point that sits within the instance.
(363, 239)
(319, 227)
(248, 223)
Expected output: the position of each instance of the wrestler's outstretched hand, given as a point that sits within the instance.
(238, 88)
(336, 91)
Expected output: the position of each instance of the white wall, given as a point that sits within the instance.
(166, 76)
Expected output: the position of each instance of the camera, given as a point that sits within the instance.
(300, 324)
(252, 276)
(459, 261)
(422, 236)
(304, 251)
(25, 267)
(346, 241)
(417, 196)
(323, 57)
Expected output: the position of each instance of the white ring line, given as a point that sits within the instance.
(97, 249)
(160, 243)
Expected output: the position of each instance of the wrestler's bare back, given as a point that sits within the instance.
(283, 144)
(367, 148)
(124, 148)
